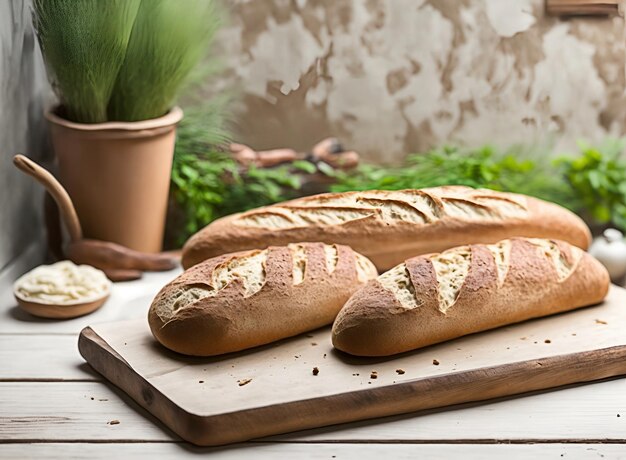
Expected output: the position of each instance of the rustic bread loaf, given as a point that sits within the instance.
(242, 300)
(390, 226)
(437, 297)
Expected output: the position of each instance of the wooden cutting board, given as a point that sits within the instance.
(272, 389)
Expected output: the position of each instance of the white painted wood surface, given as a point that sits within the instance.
(42, 357)
(313, 451)
(64, 411)
(46, 410)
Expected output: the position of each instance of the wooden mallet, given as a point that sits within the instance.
(118, 262)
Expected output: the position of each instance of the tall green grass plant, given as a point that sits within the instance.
(121, 60)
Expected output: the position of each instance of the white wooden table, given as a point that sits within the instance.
(52, 405)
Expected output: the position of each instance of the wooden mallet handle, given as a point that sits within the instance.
(56, 190)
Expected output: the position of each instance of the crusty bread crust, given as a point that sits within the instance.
(535, 278)
(237, 301)
(389, 227)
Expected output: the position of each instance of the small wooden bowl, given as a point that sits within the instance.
(65, 311)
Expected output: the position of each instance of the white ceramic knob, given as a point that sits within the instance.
(610, 249)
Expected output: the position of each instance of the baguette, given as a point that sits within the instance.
(437, 297)
(390, 226)
(239, 301)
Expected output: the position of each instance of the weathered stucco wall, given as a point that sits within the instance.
(395, 76)
(23, 89)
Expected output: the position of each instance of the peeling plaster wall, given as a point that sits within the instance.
(23, 89)
(396, 76)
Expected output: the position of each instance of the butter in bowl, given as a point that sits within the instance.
(62, 290)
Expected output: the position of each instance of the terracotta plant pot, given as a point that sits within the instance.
(118, 176)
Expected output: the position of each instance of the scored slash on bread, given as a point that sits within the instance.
(390, 226)
(241, 300)
(438, 297)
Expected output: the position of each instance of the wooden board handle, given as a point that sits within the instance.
(54, 187)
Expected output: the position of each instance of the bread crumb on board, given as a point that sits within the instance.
(374, 375)
(547, 341)
(599, 321)
(316, 370)
(435, 362)
(113, 422)
(399, 371)
(200, 381)
(243, 382)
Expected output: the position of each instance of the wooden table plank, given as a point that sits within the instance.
(42, 357)
(313, 451)
(70, 411)
(64, 411)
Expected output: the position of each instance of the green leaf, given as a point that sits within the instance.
(601, 213)
(595, 178)
(326, 169)
(305, 166)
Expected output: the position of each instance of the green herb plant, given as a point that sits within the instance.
(592, 183)
(208, 184)
(515, 169)
(123, 60)
(598, 180)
